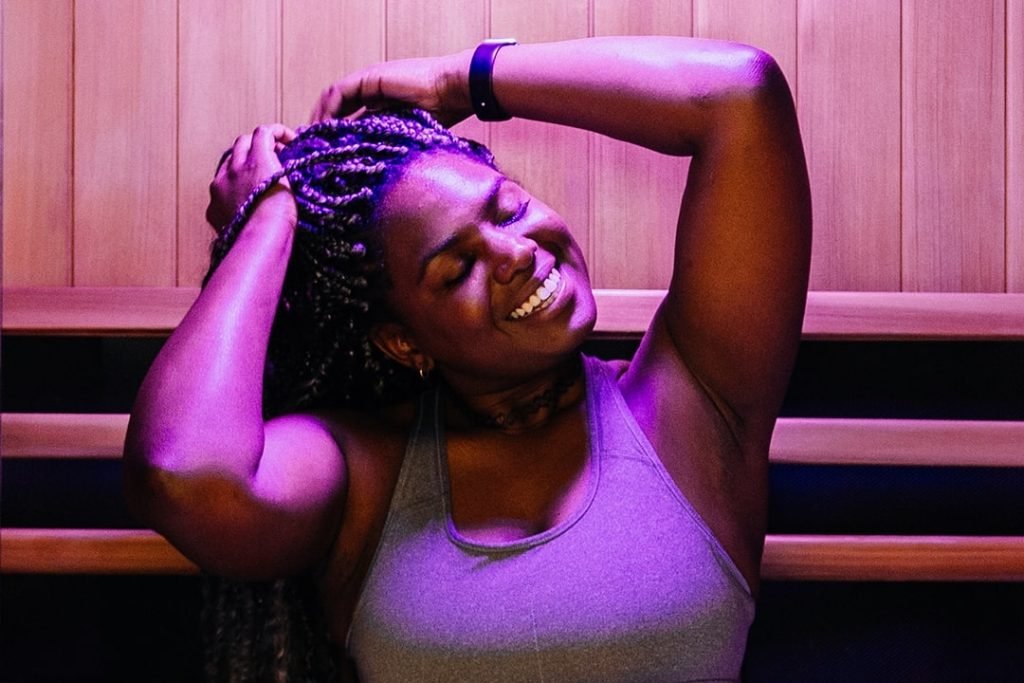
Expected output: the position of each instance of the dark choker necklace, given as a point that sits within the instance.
(520, 415)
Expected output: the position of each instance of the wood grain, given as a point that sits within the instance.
(551, 161)
(933, 443)
(37, 142)
(954, 146)
(62, 435)
(816, 441)
(636, 192)
(89, 551)
(786, 557)
(451, 26)
(228, 83)
(125, 164)
(893, 558)
(1015, 146)
(849, 107)
(322, 42)
(621, 313)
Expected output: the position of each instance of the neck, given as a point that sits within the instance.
(528, 405)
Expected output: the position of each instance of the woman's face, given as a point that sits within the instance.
(487, 280)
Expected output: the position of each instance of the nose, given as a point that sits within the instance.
(511, 253)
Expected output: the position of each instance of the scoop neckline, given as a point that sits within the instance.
(593, 470)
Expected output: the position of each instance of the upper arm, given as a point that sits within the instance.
(735, 302)
(280, 520)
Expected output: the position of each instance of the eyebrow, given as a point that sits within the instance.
(447, 242)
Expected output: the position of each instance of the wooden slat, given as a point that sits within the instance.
(427, 29)
(551, 161)
(843, 441)
(37, 77)
(636, 191)
(125, 117)
(849, 106)
(819, 441)
(893, 558)
(622, 313)
(914, 316)
(786, 557)
(95, 310)
(322, 42)
(954, 198)
(89, 551)
(1015, 146)
(228, 83)
(62, 435)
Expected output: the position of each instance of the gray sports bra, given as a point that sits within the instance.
(631, 587)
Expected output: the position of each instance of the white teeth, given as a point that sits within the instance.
(540, 298)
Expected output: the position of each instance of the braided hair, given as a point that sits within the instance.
(320, 355)
(334, 290)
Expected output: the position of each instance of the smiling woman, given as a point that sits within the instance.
(380, 388)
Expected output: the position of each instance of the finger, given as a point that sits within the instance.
(330, 100)
(240, 151)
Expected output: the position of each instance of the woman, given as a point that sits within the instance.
(534, 515)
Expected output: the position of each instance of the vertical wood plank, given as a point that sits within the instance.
(953, 146)
(551, 161)
(767, 24)
(125, 143)
(849, 107)
(1015, 146)
(426, 29)
(227, 84)
(322, 42)
(37, 215)
(636, 192)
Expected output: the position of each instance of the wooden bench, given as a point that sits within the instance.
(833, 441)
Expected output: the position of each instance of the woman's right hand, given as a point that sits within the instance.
(251, 160)
(438, 85)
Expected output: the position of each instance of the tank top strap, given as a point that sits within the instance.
(419, 479)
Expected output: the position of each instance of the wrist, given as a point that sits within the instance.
(481, 83)
(455, 84)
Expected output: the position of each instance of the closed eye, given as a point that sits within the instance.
(465, 268)
(520, 212)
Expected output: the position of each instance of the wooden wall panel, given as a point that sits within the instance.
(125, 142)
(37, 143)
(322, 42)
(1015, 146)
(551, 161)
(636, 192)
(228, 83)
(427, 29)
(849, 105)
(767, 24)
(953, 145)
(99, 154)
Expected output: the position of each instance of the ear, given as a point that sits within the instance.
(397, 344)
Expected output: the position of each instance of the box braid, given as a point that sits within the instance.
(320, 355)
(339, 170)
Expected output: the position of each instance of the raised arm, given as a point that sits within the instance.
(732, 316)
(238, 496)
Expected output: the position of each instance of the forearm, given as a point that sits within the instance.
(670, 94)
(200, 406)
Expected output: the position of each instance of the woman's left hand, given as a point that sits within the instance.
(438, 85)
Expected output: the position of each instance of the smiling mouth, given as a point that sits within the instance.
(541, 298)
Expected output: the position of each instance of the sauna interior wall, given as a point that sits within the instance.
(115, 113)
